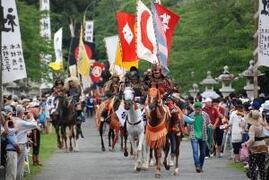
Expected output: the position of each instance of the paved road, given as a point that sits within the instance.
(92, 164)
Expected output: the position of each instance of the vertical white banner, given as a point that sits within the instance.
(45, 29)
(263, 34)
(58, 38)
(44, 5)
(12, 53)
(88, 34)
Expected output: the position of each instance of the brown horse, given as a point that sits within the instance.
(65, 117)
(175, 134)
(156, 129)
(105, 113)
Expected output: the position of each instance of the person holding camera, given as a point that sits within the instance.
(23, 127)
(12, 149)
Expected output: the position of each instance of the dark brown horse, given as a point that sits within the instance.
(175, 134)
(65, 117)
(156, 129)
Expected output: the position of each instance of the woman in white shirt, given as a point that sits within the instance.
(237, 124)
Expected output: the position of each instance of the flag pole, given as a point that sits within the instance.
(255, 68)
(1, 89)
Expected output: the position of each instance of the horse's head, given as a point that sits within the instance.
(61, 102)
(128, 97)
(154, 98)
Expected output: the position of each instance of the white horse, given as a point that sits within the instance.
(135, 125)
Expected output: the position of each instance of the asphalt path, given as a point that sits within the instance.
(91, 164)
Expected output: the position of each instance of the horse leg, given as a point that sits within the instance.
(115, 139)
(57, 130)
(145, 154)
(166, 152)
(109, 137)
(178, 141)
(121, 140)
(63, 132)
(139, 151)
(125, 142)
(157, 152)
(74, 132)
(151, 162)
(70, 134)
(101, 135)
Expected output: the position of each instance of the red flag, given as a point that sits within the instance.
(127, 35)
(169, 20)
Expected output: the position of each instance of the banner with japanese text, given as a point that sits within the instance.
(12, 54)
(263, 34)
(88, 34)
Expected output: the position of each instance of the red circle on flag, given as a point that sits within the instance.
(88, 51)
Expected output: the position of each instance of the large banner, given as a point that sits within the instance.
(146, 40)
(12, 54)
(127, 35)
(111, 50)
(263, 34)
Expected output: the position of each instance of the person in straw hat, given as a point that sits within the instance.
(72, 87)
(257, 147)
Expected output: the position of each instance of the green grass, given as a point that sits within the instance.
(236, 166)
(47, 148)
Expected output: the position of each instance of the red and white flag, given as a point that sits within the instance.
(127, 35)
(169, 20)
(146, 40)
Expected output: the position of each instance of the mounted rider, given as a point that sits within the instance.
(73, 89)
(170, 94)
(112, 90)
(133, 80)
(162, 82)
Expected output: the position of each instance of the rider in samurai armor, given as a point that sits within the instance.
(162, 82)
(112, 90)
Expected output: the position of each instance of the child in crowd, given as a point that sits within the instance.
(42, 119)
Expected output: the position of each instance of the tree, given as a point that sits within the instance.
(32, 43)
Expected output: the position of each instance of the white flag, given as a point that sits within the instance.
(58, 38)
(111, 49)
(58, 41)
(12, 53)
(88, 34)
(44, 5)
(121, 114)
(146, 40)
(263, 34)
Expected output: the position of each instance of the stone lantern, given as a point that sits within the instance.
(209, 83)
(195, 90)
(249, 75)
(226, 79)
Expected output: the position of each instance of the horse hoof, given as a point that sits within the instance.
(103, 149)
(157, 175)
(126, 153)
(151, 163)
(70, 149)
(138, 169)
(167, 167)
(176, 172)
